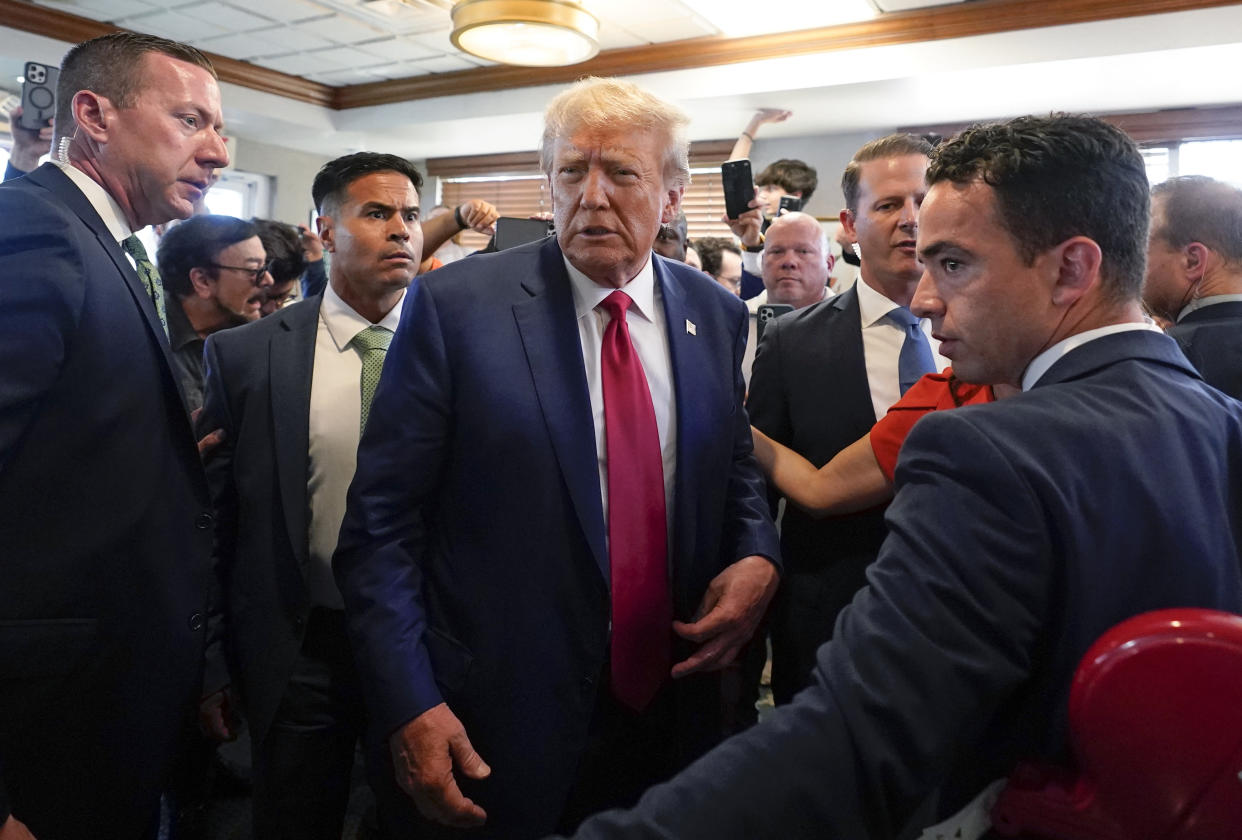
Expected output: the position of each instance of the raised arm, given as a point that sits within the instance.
(850, 482)
(741, 149)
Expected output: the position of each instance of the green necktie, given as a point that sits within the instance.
(149, 277)
(372, 344)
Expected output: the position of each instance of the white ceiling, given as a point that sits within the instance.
(1163, 61)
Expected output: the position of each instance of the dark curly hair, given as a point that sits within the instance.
(1057, 177)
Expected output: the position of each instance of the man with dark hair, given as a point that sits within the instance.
(557, 528)
(672, 238)
(722, 259)
(292, 393)
(104, 512)
(286, 257)
(869, 346)
(1022, 529)
(1194, 273)
(216, 274)
(785, 177)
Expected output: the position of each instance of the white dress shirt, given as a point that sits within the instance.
(335, 418)
(103, 202)
(882, 340)
(1040, 364)
(645, 319)
(1199, 303)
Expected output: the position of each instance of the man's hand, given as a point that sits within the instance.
(731, 609)
(769, 115)
(424, 753)
(28, 144)
(14, 829)
(208, 441)
(312, 246)
(748, 225)
(479, 215)
(217, 717)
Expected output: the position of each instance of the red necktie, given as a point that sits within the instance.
(642, 609)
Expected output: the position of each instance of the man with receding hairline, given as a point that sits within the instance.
(1194, 273)
(556, 531)
(105, 520)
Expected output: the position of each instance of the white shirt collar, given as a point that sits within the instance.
(344, 323)
(1199, 303)
(588, 294)
(1045, 360)
(103, 202)
(873, 306)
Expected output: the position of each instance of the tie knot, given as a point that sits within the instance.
(373, 338)
(903, 317)
(132, 245)
(616, 304)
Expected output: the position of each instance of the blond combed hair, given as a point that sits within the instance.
(597, 103)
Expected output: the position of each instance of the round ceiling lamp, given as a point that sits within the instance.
(533, 33)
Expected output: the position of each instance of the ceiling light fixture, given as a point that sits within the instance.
(533, 33)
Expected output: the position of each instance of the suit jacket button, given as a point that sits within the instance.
(203, 521)
(196, 622)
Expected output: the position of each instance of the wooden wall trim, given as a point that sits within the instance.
(1170, 126)
(980, 17)
(51, 23)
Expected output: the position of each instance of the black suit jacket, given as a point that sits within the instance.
(258, 390)
(1022, 530)
(809, 391)
(1211, 338)
(105, 535)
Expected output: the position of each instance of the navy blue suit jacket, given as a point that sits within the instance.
(472, 559)
(1211, 337)
(105, 535)
(1021, 531)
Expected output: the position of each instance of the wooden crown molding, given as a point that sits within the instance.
(40, 20)
(979, 17)
(1174, 125)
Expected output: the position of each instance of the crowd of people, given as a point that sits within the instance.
(503, 520)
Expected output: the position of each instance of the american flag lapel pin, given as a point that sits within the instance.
(691, 328)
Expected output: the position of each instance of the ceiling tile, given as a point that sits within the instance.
(350, 57)
(398, 49)
(172, 25)
(437, 40)
(399, 70)
(614, 37)
(290, 10)
(241, 45)
(106, 10)
(290, 39)
(670, 30)
(341, 29)
(444, 64)
(345, 77)
(229, 17)
(300, 65)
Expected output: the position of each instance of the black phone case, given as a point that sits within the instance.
(38, 95)
(739, 186)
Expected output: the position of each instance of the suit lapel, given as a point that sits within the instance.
(847, 363)
(291, 362)
(549, 329)
(51, 178)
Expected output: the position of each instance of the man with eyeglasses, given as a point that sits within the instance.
(217, 270)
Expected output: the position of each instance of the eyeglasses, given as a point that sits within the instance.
(256, 274)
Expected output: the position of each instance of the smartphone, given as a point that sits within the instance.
(739, 186)
(766, 312)
(38, 95)
(789, 204)
(511, 232)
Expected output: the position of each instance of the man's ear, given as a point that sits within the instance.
(325, 225)
(1195, 259)
(93, 114)
(672, 205)
(1077, 262)
(847, 222)
(202, 282)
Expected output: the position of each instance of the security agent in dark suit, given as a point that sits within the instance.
(104, 522)
(493, 601)
(1194, 274)
(821, 378)
(291, 393)
(1021, 530)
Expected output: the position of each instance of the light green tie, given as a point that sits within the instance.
(149, 276)
(372, 343)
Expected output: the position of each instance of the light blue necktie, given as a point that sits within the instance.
(915, 358)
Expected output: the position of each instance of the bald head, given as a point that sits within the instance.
(795, 260)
